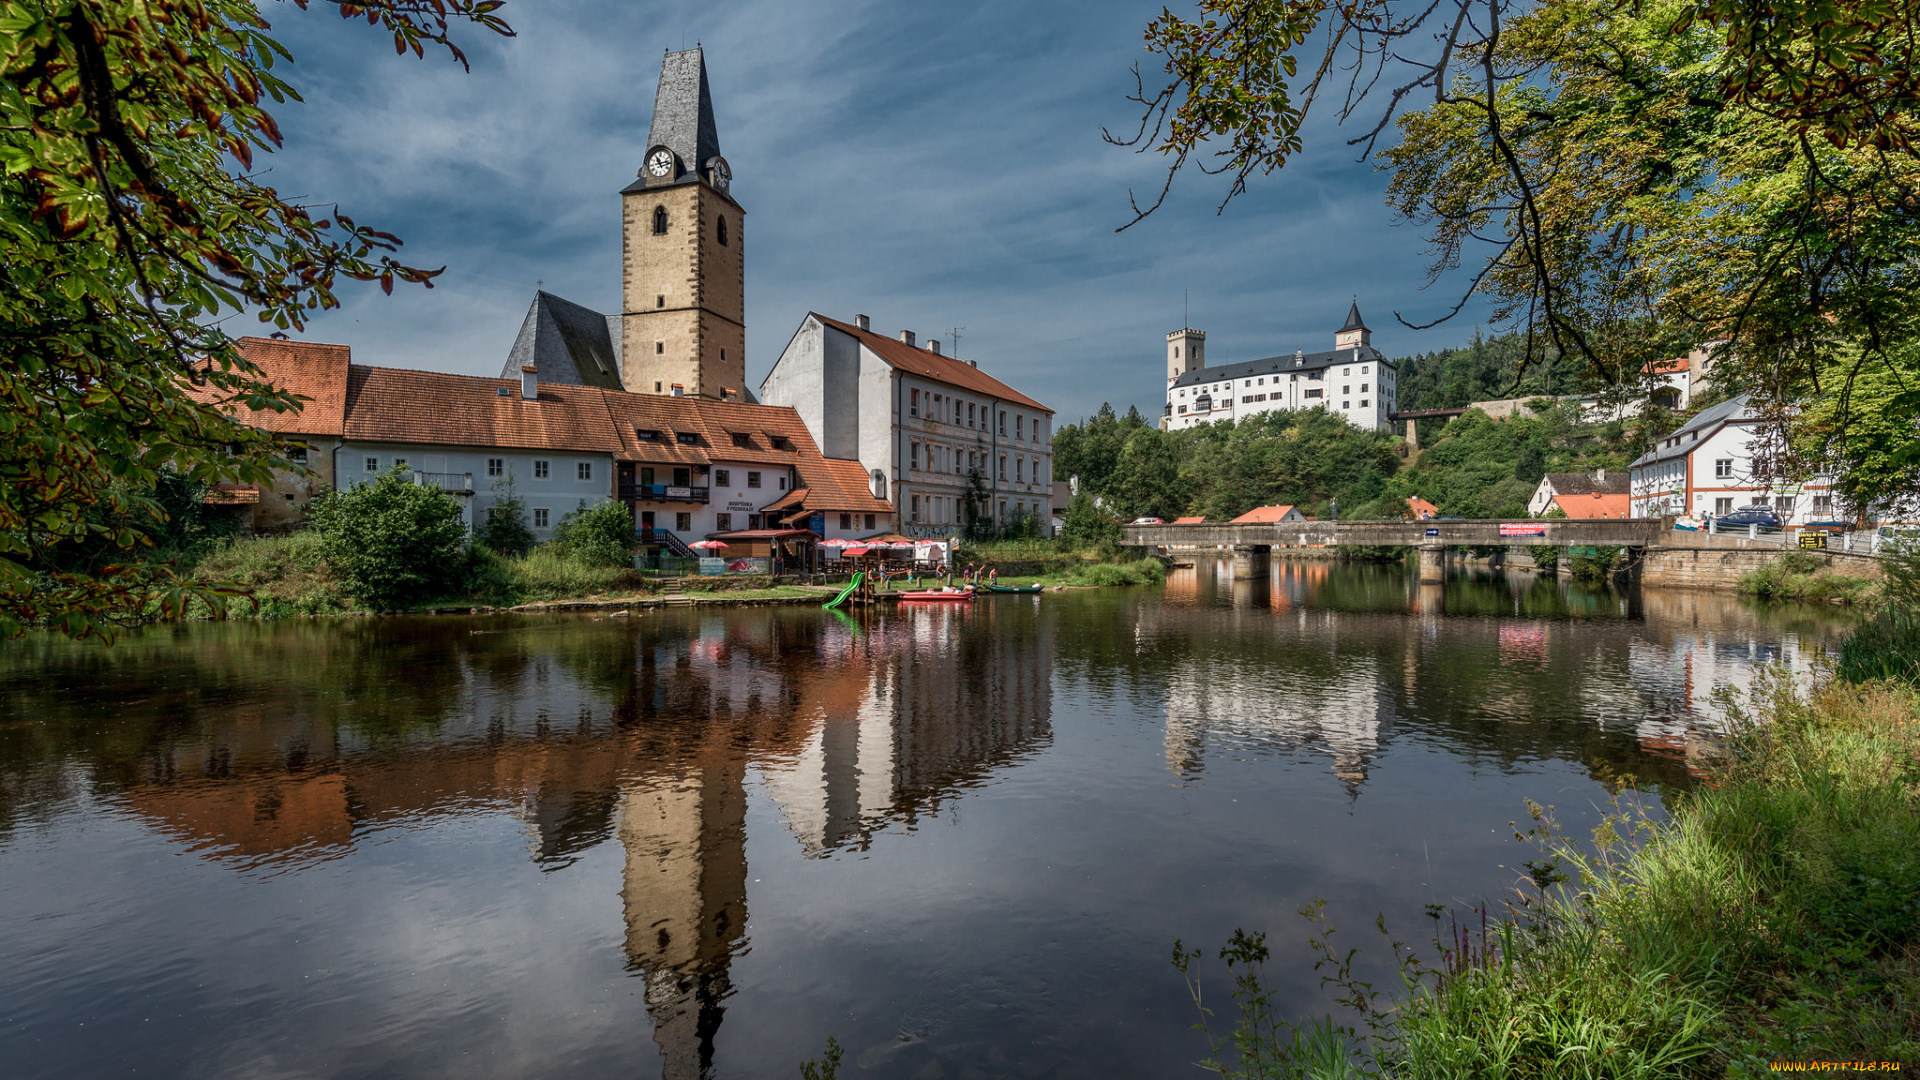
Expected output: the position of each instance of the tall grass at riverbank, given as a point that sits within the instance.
(1774, 916)
(288, 576)
(1804, 576)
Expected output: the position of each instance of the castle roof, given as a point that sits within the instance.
(1281, 365)
(1354, 322)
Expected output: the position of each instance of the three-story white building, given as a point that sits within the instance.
(920, 422)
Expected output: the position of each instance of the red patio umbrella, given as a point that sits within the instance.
(708, 545)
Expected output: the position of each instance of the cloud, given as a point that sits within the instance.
(933, 167)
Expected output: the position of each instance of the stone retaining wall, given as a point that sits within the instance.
(1722, 568)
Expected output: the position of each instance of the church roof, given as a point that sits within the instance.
(567, 344)
(1281, 365)
(1354, 322)
(683, 116)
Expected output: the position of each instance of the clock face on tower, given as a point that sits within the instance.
(660, 162)
(719, 174)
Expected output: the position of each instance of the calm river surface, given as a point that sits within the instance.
(696, 843)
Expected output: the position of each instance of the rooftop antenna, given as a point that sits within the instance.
(1184, 324)
(956, 340)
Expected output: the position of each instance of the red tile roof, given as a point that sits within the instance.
(1662, 367)
(395, 405)
(392, 405)
(1594, 506)
(840, 485)
(932, 365)
(1420, 509)
(311, 369)
(1190, 521)
(1261, 514)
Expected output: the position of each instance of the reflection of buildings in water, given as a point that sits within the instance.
(648, 737)
(915, 723)
(1700, 642)
(1344, 716)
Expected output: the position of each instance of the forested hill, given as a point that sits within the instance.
(1487, 369)
(1473, 466)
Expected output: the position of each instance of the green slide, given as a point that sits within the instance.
(846, 592)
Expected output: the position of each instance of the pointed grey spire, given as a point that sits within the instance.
(1354, 322)
(683, 111)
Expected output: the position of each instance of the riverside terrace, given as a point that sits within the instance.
(1685, 557)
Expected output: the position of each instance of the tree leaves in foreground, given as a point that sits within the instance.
(130, 227)
(1619, 179)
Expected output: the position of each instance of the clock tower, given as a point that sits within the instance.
(683, 281)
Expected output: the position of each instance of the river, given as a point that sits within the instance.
(700, 841)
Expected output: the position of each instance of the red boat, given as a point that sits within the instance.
(939, 594)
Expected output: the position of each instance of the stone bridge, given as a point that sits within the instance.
(1252, 544)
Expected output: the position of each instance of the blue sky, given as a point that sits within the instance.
(931, 166)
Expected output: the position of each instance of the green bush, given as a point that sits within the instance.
(390, 541)
(1088, 526)
(1802, 575)
(600, 535)
(505, 529)
(1595, 563)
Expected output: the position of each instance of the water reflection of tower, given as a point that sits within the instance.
(695, 704)
(685, 899)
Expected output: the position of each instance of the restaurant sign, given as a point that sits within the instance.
(679, 493)
(743, 504)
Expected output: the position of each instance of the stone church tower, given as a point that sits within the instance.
(683, 281)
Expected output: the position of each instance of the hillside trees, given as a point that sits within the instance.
(1619, 179)
(133, 222)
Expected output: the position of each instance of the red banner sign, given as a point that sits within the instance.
(1523, 530)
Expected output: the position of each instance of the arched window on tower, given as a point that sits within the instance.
(723, 232)
(659, 221)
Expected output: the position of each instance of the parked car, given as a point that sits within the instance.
(1147, 521)
(1762, 516)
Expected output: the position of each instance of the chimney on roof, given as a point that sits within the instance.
(906, 336)
(975, 363)
(677, 390)
(1599, 476)
(863, 322)
(728, 393)
(529, 382)
(934, 345)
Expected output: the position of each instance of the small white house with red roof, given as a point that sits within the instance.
(919, 421)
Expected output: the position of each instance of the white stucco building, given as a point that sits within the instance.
(1707, 467)
(918, 421)
(1352, 381)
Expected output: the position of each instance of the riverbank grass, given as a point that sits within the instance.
(1804, 576)
(1775, 916)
